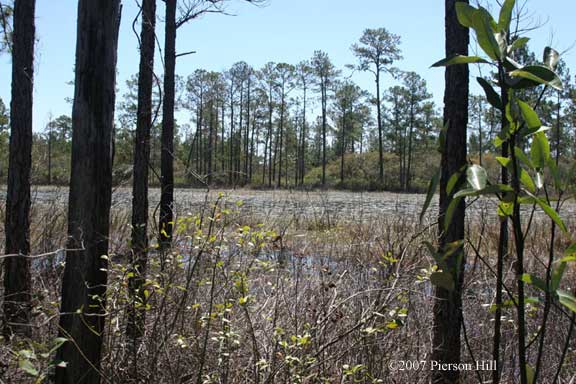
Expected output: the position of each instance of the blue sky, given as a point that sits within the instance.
(284, 30)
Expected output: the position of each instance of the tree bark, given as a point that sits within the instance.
(167, 154)
(380, 133)
(324, 123)
(448, 303)
(17, 284)
(140, 173)
(303, 138)
(84, 284)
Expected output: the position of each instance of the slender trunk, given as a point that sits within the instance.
(558, 126)
(410, 133)
(281, 138)
(502, 254)
(210, 139)
(247, 132)
(342, 148)
(303, 139)
(167, 155)
(265, 158)
(252, 149)
(448, 303)
(49, 156)
(480, 149)
(222, 145)
(238, 139)
(17, 284)
(324, 102)
(231, 138)
(380, 133)
(139, 262)
(83, 310)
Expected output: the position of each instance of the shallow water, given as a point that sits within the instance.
(281, 203)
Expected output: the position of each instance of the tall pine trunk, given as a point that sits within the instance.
(84, 284)
(380, 133)
(141, 161)
(448, 303)
(167, 153)
(17, 285)
(324, 123)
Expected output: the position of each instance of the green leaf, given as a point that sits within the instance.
(465, 14)
(551, 213)
(503, 161)
(534, 75)
(557, 276)
(506, 15)
(432, 187)
(483, 24)
(459, 59)
(435, 255)
(489, 190)
(450, 211)
(58, 343)
(551, 58)
(491, 95)
(534, 281)
(527, 181)
(530, 116)
(539, 180)
(517, 44)
(476, 176)
(529, 374)
(505, 209)
(510, 64)
(452, 181)
(569, 254)
(522, 157)
(502, 41)
(567, 299)
(443, 280)
(26, 366)
(539, 150)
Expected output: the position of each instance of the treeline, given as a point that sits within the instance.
(265, 128)
(282, 125)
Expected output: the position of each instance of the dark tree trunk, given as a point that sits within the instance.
(140, 173)
(303, 140)
(239, 134)
(324, 102)
(448, 303)
(231, 139)
(342, 147)
(85, 276)
(167, 155)
(269, 138)
(247, 131)
(253, 137)
(17, 285)
(49, 181)
(222, 146)
(281, 138)
(380, 133)
(410, 134)
(210, 142)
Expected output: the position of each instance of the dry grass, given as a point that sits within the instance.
(290, 288)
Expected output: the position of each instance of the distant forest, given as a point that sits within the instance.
(299, 125)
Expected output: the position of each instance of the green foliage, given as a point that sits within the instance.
(37, 361)
(522, 126)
